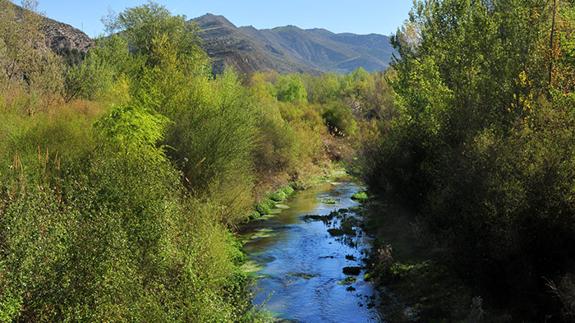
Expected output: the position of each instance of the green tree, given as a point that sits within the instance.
(147, 25)
(290, 88)
(469, 147)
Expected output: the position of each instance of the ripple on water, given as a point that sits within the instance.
(301, 269)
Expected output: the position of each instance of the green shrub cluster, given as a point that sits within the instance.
(340, 120)
(360, 197)
(95, 225)
(289, 134)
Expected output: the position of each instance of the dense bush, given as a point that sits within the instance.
(289, 133)
(95, 225)
(290, 88)
(340, 120)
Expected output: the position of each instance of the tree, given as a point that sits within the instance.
(290, 88)
(147, 25)
(480, 147)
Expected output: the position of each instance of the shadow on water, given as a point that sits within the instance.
(301, 265)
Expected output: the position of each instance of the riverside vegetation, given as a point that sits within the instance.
(482, 147)
(126, 171)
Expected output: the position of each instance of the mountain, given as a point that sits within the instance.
(291, 49)
(284, 49)
(60, 37)
(228, 45)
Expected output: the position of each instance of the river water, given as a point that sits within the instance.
(300, 265)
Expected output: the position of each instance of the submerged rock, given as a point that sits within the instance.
(352, 271)
(336, 232)
(314, 217)
(350, 258)
(305, 276)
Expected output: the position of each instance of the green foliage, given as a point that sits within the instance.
(278, 196)
(150, 26)
(340, 119)
(360, 197)
(265, 206)
(482, 143)
(213, 138)
(289, 134)
(95, 222)
(100, 235)
(325, 88)
(290, 88)
(282, 194)
(90, 79)
(118, 204)
(132, 128)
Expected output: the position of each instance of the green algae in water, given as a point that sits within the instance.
(260, 234)
(305, 276)
(329, 201)
(347, 281)
(360, 197)
(251, 267)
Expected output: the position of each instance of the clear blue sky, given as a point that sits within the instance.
(357, 16)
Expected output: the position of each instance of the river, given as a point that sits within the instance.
(301, 266)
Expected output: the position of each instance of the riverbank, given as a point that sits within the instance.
(412, 271)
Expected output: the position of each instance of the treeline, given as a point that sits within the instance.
(124, 173)
(483, 144)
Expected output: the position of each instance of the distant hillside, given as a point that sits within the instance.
(284, 49)
(291, 49)
(60, 37)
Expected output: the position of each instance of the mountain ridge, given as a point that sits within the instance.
(285, 49)
(290, 48)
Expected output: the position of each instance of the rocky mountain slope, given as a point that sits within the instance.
(291, 49)
(284, 49)
(60, 37)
